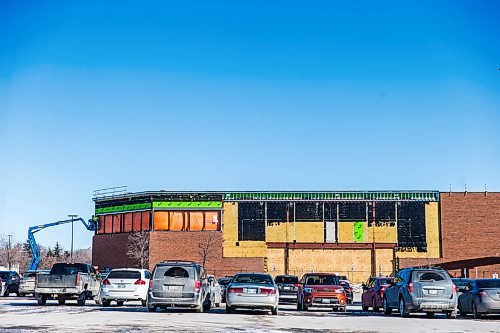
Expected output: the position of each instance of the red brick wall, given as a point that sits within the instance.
(178, 245)
(470, 228)
(110, 251)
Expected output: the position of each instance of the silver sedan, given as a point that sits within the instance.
(252, 291)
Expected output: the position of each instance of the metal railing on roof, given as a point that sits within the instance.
(110, 192)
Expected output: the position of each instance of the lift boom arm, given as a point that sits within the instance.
(91, 225)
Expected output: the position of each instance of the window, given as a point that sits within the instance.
(136, 217)
(279, 212)
(127, 222)
(117, 223)
(322, 280)
(108, 224)
(146, 221)
(124, 275)
(287, 279)
(251, 224)
(253, 278)
(493, 283)
(428, 276)
(177, 272)
(309, 212)
(176, 220)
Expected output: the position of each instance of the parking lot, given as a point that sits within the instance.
(22, 314)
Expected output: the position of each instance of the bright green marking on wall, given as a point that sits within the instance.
(187, 204)
(359, 229)
(123, 208)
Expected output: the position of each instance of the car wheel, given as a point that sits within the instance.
(61, 301)
(120, 303)
(6, 293)
(364, 307)
(451, 314)
(228, 309)
(41, 300)
(143, 303)
(429, 314)
(274, 311)
(217, 305)
(403, 312)
(475, 313)
(461, 310)
(81, 299)
(152, 308)
(385, 305)
(374, 305)
(106, 303)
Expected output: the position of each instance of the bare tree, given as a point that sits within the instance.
(138, 248)
(207, 249)
(10, 251)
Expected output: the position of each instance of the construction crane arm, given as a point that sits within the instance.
(91, 225)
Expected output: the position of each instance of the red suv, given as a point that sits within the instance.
(373, 292)
(321, 290)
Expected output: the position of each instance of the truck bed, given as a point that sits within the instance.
(56, 281)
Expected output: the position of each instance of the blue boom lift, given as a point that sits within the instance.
(91, 225)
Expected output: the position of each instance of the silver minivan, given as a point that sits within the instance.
(179, 284)
(428, 290)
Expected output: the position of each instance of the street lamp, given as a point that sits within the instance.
(71, 216)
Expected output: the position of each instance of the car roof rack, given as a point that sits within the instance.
(181, 262)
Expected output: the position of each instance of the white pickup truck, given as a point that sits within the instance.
(67, 281)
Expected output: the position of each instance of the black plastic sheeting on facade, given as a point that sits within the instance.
(309, 212)
(411, 226)
(352, 211)
(251, 222)
(279, 212)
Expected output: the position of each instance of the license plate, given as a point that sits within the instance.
(433, 292)
(250, 290)
(325, 300)
(119, 286)
(174, 288)
(287, 288)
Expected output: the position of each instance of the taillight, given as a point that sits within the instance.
(140, 282)
(454, 289)
(150, 284)
(235, 290)
(197, 286)
(106, 282)
(78, 279)
(482, 293)
(268, 291)
(296, 285)
(410, 287)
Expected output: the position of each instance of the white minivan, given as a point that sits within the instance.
(123, 285)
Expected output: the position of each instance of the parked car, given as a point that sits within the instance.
(124, 285)
(27, 282)
(287, 287)
(481, 296)
(348, 290)
(373, 292)
(215, 291)
(460, 284)
(252, 291)
(223, 282)
(182, 284)
(10, 282)
(428, 290)
(321, 290)
(67, 281)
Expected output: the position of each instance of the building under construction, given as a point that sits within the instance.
(356, 234)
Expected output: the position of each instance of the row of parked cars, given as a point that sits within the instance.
(431, 291)
(186, 284)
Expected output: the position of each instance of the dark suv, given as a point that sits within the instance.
(287, 286)
(182, 284)
(9, 282)
(428, 290)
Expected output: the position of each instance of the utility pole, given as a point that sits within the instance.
(8, 251)
(72, 217)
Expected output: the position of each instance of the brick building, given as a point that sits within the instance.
(352, 233)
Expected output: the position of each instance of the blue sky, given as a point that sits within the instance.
(199, 95)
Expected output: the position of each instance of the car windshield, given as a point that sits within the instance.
(287, 279)
(69, 269)
(428, 276)
(322, 280)
(124, 275)
(461, 283)
(224, 281)
(253, 278)
(4, 275)
(485, 284)
(385, 281)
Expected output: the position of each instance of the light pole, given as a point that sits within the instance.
(72, 217)
(8, 251)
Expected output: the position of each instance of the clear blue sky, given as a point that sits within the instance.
(208, 95)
